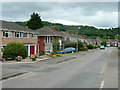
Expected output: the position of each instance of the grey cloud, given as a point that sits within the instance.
(79, 12)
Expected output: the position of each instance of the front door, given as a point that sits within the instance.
(32, 50)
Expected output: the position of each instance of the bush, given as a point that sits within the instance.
(90, 46)
(96, 47)
(118, 47)
(58, 55)
(13, 49)
(85, 49)
(56, 46)
(53, 53)
(41, 53)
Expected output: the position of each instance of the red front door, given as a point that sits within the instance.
(37, 49)
(32, 50)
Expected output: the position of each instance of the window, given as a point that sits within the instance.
(33, 36)
(25, 35)
(48, 51)
(48, 39)
(7, 34)
(18, 34)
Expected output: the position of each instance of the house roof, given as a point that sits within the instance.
(11, 26)
(47, 32)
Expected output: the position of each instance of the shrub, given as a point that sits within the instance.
(56, 46)
(85, 48)
(58, 55)
(41, 53)
(13, 49)
(53, 53)
(96, 47)
(90, 46)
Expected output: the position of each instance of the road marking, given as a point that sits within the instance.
(104, 69)
(102, 84)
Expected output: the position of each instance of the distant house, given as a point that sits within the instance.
(11, 32)
(70, 37)
(112, 42)
(95, 42)
(46, 37)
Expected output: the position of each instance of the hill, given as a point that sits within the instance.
(87, 31)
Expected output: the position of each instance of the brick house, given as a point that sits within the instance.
(95, 42)
(112, 42)
(11, 32)
(46, 37)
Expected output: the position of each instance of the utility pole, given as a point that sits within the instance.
(77, 39)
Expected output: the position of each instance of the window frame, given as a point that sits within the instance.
(26, 36)
(9, 34)
(18, 33)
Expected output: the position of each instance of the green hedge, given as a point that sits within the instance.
(13, 49)
(90, 46)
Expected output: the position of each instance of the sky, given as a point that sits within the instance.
(98, 14)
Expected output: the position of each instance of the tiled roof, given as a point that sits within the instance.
(11, 26)
(47, 32)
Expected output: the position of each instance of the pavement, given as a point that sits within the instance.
(86, 70)
(27, 60)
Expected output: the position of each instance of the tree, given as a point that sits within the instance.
(56, 45)
(90, 46)
(104, 43)
(35, 22)
(117, 37)
(13, 49)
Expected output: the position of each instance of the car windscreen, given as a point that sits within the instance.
(67, 49)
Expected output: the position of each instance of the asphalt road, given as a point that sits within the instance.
(92, 70)
(9, 69)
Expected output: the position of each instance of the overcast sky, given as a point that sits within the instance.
(99, 14)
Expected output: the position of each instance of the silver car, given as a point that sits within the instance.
(102, 47)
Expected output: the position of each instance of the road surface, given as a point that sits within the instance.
(97, 69)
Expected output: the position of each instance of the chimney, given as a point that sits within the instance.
(53, 28)
(67, 31)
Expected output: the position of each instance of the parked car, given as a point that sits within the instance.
(68, 50)
(102, 47)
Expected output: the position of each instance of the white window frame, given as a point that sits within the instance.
(49, 39)
(7, 32)
(18, 33)
(26, 36)
(33, 35)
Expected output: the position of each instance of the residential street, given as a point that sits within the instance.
(93, 69)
